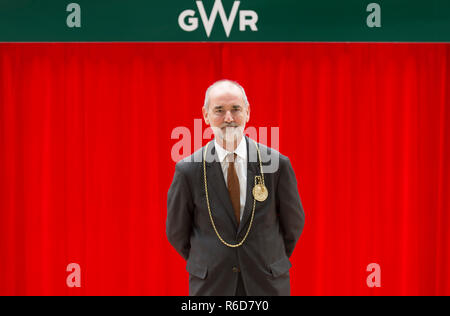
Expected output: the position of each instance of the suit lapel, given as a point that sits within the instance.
(217, 185)
(252, 170)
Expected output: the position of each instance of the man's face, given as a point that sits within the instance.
(227, 113)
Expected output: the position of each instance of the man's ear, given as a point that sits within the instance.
(248, 113)
(205, 115)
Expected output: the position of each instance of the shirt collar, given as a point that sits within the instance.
(241, 150)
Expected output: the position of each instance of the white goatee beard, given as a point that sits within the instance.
(231, 135)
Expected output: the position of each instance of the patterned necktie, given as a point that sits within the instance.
(233, 189)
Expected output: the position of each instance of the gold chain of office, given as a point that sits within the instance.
(260, 178)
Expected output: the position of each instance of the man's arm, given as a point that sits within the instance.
(291, 214)
(179, 213)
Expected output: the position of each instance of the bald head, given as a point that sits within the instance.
(223, 87)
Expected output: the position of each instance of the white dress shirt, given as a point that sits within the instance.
(240, 165)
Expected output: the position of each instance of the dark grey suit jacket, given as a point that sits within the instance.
(263, 259)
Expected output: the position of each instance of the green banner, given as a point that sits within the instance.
(225, 20)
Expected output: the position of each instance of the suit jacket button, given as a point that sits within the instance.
(236, 269)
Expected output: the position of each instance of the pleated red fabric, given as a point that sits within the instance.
(90, 134)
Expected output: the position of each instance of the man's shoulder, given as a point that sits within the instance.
(267, 151)
(191, 161)
(271, 158)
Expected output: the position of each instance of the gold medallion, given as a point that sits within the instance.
(260, 192)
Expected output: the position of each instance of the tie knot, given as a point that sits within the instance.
(231, 157)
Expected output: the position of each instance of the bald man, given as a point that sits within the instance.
(233, 209)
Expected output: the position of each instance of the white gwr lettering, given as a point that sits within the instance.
(188, 22)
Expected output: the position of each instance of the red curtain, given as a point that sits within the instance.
(86, 160)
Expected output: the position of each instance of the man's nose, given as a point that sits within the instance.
(228, 116)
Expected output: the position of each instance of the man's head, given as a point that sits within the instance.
(227, 110)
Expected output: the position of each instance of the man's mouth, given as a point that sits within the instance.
(228, 126)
